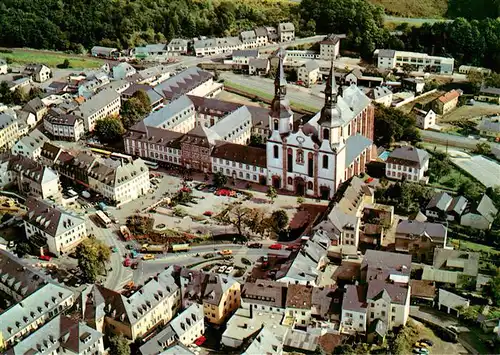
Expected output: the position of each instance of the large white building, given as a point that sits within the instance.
(390, 59)
(62, 230)
(101, 105)
(63, 127)
(30, 146)
(9, 130)
(408, 163)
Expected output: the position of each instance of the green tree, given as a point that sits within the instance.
(219, 179)
(35, 92)
(344, 349)
(482, 148)
(118, 345)
(19, 97)
(254, 220)
(64, 65)
(393, 125)
(23, 249)
(492, 289)
(92, 255)
(470, 190)
(135, 108)
(475, 79)
(271, 193)
(439, 165)
(279, 220)
(256, 140)
(108, 130)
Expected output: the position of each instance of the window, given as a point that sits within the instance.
(255, 177)
(382, 313)
(310, 185)
(372, 315)
(393, 309)
(275, 125)
(393, 318)
(325, 161)
(290, 181)
(240, 174)
(276, 152)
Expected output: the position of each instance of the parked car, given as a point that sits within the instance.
(127, 262)
(134, 265)
(208, 213)
(226, 252)
(148, 257)
(114, 249)
(276, 246)
(229, 270)
(427, 341)
(255, 245)
(45, 257)
(221, 269)
(293, 247)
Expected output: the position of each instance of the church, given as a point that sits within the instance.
(307, 158)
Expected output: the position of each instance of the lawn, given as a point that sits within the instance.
(453, 180)
(471, 246)
(51, 59)
(412, 8)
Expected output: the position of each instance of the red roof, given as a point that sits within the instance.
(450, 95)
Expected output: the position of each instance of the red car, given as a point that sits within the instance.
(200, 341)
(370, 179)
(127, 262)
(293, 247)
(45, 257)
(208, 213)
(276, 246)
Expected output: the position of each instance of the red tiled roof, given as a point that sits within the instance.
(450, 95)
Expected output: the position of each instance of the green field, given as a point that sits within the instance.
(414, 8)
(51, 59)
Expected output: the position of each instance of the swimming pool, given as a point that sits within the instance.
(384, 155)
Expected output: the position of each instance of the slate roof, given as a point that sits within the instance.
(355, 145)
(379, 288)
(154, 96)
(155, 135)
(310, 65)
(386, 53)
(162, 117)
(457, 205)
(415, 228)
(97, 102)
(240, 153)
(464, 262)
(247, 53)
(154, 345)
(330, 39)
(266, 292)
(187, 319)
(32, 170)
(34, 105)
(440, 201)
(286, 26)
(260, 31)
(34, 140)
(60, 119)
(381, 264)
(201, 136)
(264, 343)
(408, 156)
(259, 63)
(451, 300)
(182, 83)
(489, 125)
(487, 209)
(355, 298)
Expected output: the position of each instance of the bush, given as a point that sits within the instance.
(179, 212)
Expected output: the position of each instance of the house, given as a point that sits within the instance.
(3, 67)
(150, 52)
(177, 46)
(153, 76)
(189, 325)
(249, 39)
(425, 120)
(449, 301)
(466, 69)
(9, 130)
(36, 107)
(356, 77)
(243, 56)
(272, 33)
(446, 102)
(61, 126)
(259, 66)
(408, 163)
(32, 313)
(388, 303)
(422, 292)
(381, 95)
(482, 216)
(161, 341)
(390, 59)
(105, 52)
(155, 98)
(266, 342)
(299, 304)
(489, 127)
(443, 206)
(61, 230)
(489, 94)
(286, 31)
(103, 104)
(420, 239)
(264, 295)
(34, 179)
(329, 48)
(308, 73)
(39, 72)
(123, 70)
(415, 85)
(30, 146)
(61, 335)
(215, 46)
(261, 36)
(354, 310)
(386, 266)
(151, 306)
(23, 84)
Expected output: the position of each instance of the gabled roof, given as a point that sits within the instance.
(240, 153)
(267, 292)
(286, 26)
(201, 136)
(409, 156)
(415, 228)
(380, 265)
(440, 201)
(355, 298)
(487, 209)
(34, 105)
(380, 289)
(187, 319)
(247, 53)
(464, 262)
(330, 39)
(489, 125)
(449, 96)
(299, 296)
(355, 145)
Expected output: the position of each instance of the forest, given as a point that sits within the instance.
(77, 25)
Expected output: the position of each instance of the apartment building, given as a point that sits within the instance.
(177, 46)
(261, 36)
(329, 48)
(244, 56)
(30, 146)
(9, 131)
(61, 230)
(354, 310)
(389, 303)
(419, 239)
(189, 324)
(446, 102)
(425, 120)
(61, 335)
(39, 72)
(286, 31)
(264, 295)
(249, 39)
(390, 59)
(63, 127)
(381, 95)
(37, 107)
(408, 163)
(308, 73)
(214, 46)
(150, 307)
(119, 181)
(103, 104)
(444, 207)
(20, 320)
(123, 70)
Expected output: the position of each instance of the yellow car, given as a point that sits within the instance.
(424, 345)
(417, 344)
(226, 252)
(148, 257)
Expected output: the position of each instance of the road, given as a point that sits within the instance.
(413, 21)
(454, 141)
(295, 94)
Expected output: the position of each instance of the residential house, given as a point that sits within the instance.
(123, 70)
(36, 107)
(3, 67)
(63, 127)
(150, 307)
(408, 163)
(386, 266)
(449, 301)
(423, 292)
(425, 119)
(177, 46)
(150, 51)
(264, 295)
(9, 130)
(357, 77)
(381, 95)
(189, 325)
(299, 304)
(249, 39)
(7, 176)
(61, 335)
(388, 302)
(20, 320)
(153, 76)
(443, 206)
(26, 121)
(89, 87)
(258, 66)
(354, 318)
(30, 146)
(490, 127)
(39, 72)
(466, 69)
(390, 59)
(215, 46)
(35, 179)
(266, 342)
(308, 73)
(489, 94)
(62, 230)
(286, 31)
(242, 57)
(446, 102)
(161, 341)
(329, 48)
(105, 52)
(23, 84)
(482, 216)
(103, 104)
(192, 81)
(419, 239)
(272, 34)
(415, 85)
(261, 36)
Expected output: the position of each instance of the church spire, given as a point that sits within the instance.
(331, 91)
(281, 115)
(280, 79)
